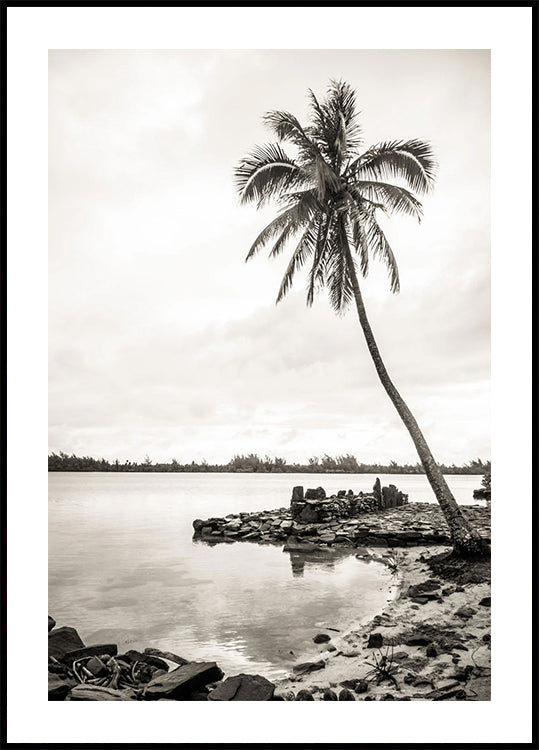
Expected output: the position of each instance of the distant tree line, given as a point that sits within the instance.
(252, 463)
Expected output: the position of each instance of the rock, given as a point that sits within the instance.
(329, 695)
(346, 695)
(96, 667)
(97, 693)
(424, 588)
(376, 640)
(377, 490)
(308, 515)
(486, 638)
(308, 666)
(243, 687)
(52, 623)
(182, 681)
(59, 688)
(485, 602)
(462, 674)
(102, 649)
(63, 640)
(466, 612)
(431, 651)
(321, 638)
(418, 640)
(304, 695)
(388, 696)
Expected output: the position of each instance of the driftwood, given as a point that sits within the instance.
(166, 655)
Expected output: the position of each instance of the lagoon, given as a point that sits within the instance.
(123, 566)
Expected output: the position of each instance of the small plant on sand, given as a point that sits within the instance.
(383, 669)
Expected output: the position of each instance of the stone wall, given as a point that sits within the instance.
(314, 506)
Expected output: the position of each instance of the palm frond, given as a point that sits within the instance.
(413, 161)
(316, 274)
(266, 173)
(392, 198)
(304, 250)
(381, 249)
(287, 128)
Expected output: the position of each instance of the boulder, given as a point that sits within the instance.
(52, 623)
(63, 640)
(243, 687)
(485, 602)
(346, 695)
(111, 649)
(418, 640)
(182, 681)
(308, 515)
(59, 688)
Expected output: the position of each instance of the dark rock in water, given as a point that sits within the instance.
(304, 695)
(52, 623)
(341, 493)
(329, 695)
(243, 687)
(376, 640)
(486, 638)
(98, 693)
(198, 524)
(182, 681)
(431, 651)
(321, 638)
(166, 655)
(308, 666)
(59, 688)
(62, 640)
(346, 695)
(485, 602)
(111, 649)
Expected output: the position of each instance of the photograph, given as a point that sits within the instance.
(269, 324)
(269, 296)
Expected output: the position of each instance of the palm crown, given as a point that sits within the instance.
(329, 193)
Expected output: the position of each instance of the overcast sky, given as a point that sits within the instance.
(164, 342)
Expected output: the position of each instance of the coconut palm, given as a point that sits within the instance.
(329, 193)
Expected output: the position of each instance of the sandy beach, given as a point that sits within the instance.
(436, 631)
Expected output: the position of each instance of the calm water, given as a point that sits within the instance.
(123, 566)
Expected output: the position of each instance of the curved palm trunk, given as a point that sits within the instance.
(466, 541)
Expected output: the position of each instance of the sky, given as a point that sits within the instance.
(164, 343)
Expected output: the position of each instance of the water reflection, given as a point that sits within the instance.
(323, 558)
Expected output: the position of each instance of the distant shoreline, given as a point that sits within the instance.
(459, 472)
(253, 464)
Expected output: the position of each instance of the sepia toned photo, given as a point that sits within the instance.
(269, 480)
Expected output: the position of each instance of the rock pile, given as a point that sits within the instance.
(315, 507)
(385, 518)
(98, 673)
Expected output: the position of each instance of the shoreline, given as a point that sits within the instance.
(440, 643)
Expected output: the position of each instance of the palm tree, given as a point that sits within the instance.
(329, 193)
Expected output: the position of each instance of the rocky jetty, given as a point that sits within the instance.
(98, 673)
(381, 518)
